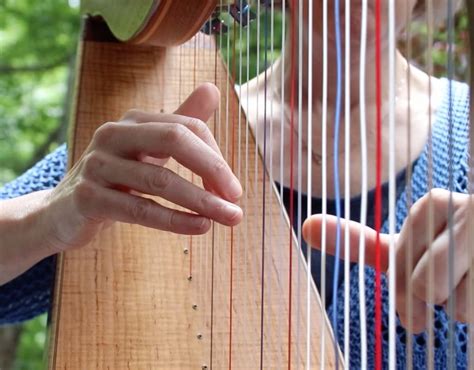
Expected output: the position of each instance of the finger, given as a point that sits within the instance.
(115, 205)
(439, 259)
(462, 297)
(415, 233)
(412, 313)
(194, 124)
(313, 226)
(162, 140)
(166, 184)
(202, 103)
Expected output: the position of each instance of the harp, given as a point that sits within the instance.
(144, 299)
(161, 313)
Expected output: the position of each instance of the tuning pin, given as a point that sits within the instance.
(214, 26)
(241, 12)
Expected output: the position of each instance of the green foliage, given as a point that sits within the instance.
(252, 62)
(30, 351)
(37, 46)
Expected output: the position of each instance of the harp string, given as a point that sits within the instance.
(431, 231)
(378, 186)
(409, 199)
(347, 177)
(470, 276)
(299, 172)
(363, 210)
(309, 159)
(231, 262)
(271, 93)
(392, 184)
(264, 182)
(336, 171)
(282, 136)
(324, 172)
(293, 36)
(451, 299)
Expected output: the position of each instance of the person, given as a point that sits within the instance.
(449, 107)
(50, 211)
(419, 163)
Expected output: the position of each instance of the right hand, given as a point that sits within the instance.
(126, 159)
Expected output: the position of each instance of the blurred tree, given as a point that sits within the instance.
(37, 47)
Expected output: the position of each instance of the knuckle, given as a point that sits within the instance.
(93, 163)
(139, 210)
(219, 167)
(174, 133)
(207, 201)
(198, 126)
(105, 133)
(172, 220)
(438, 197)
(84, 194)
(158, 180)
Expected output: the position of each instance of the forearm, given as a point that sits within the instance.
(23, 236)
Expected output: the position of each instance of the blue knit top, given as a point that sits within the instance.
(30, 294)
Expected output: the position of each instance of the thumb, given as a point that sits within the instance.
(202, 103)
(312, 229)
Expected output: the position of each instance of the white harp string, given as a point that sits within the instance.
(324, 173)
(347, 177)
(309, 180)
(363, 207)
(392, 186)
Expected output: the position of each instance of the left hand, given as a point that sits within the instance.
(415, 281)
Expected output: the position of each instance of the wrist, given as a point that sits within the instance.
(23, 233)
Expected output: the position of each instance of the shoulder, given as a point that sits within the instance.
(45, 174)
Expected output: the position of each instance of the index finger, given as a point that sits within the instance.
(163, 140)
(198, 108)
(313, 228)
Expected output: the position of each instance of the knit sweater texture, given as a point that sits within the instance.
(30, 294)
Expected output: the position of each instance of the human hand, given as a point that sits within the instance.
(415, 281)
(126, 159)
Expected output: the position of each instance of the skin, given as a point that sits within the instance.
(419, 82)
(415, 284)
(124, 160)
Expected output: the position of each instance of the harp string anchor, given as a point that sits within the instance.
(199, 336)
(190, 277)
(185, 250)
(195, 307)
(204, 367)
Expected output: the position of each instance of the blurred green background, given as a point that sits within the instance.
(38, 41)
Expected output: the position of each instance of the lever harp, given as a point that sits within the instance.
(236, 298)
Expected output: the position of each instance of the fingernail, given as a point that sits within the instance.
(233, 212)
(235, 189)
